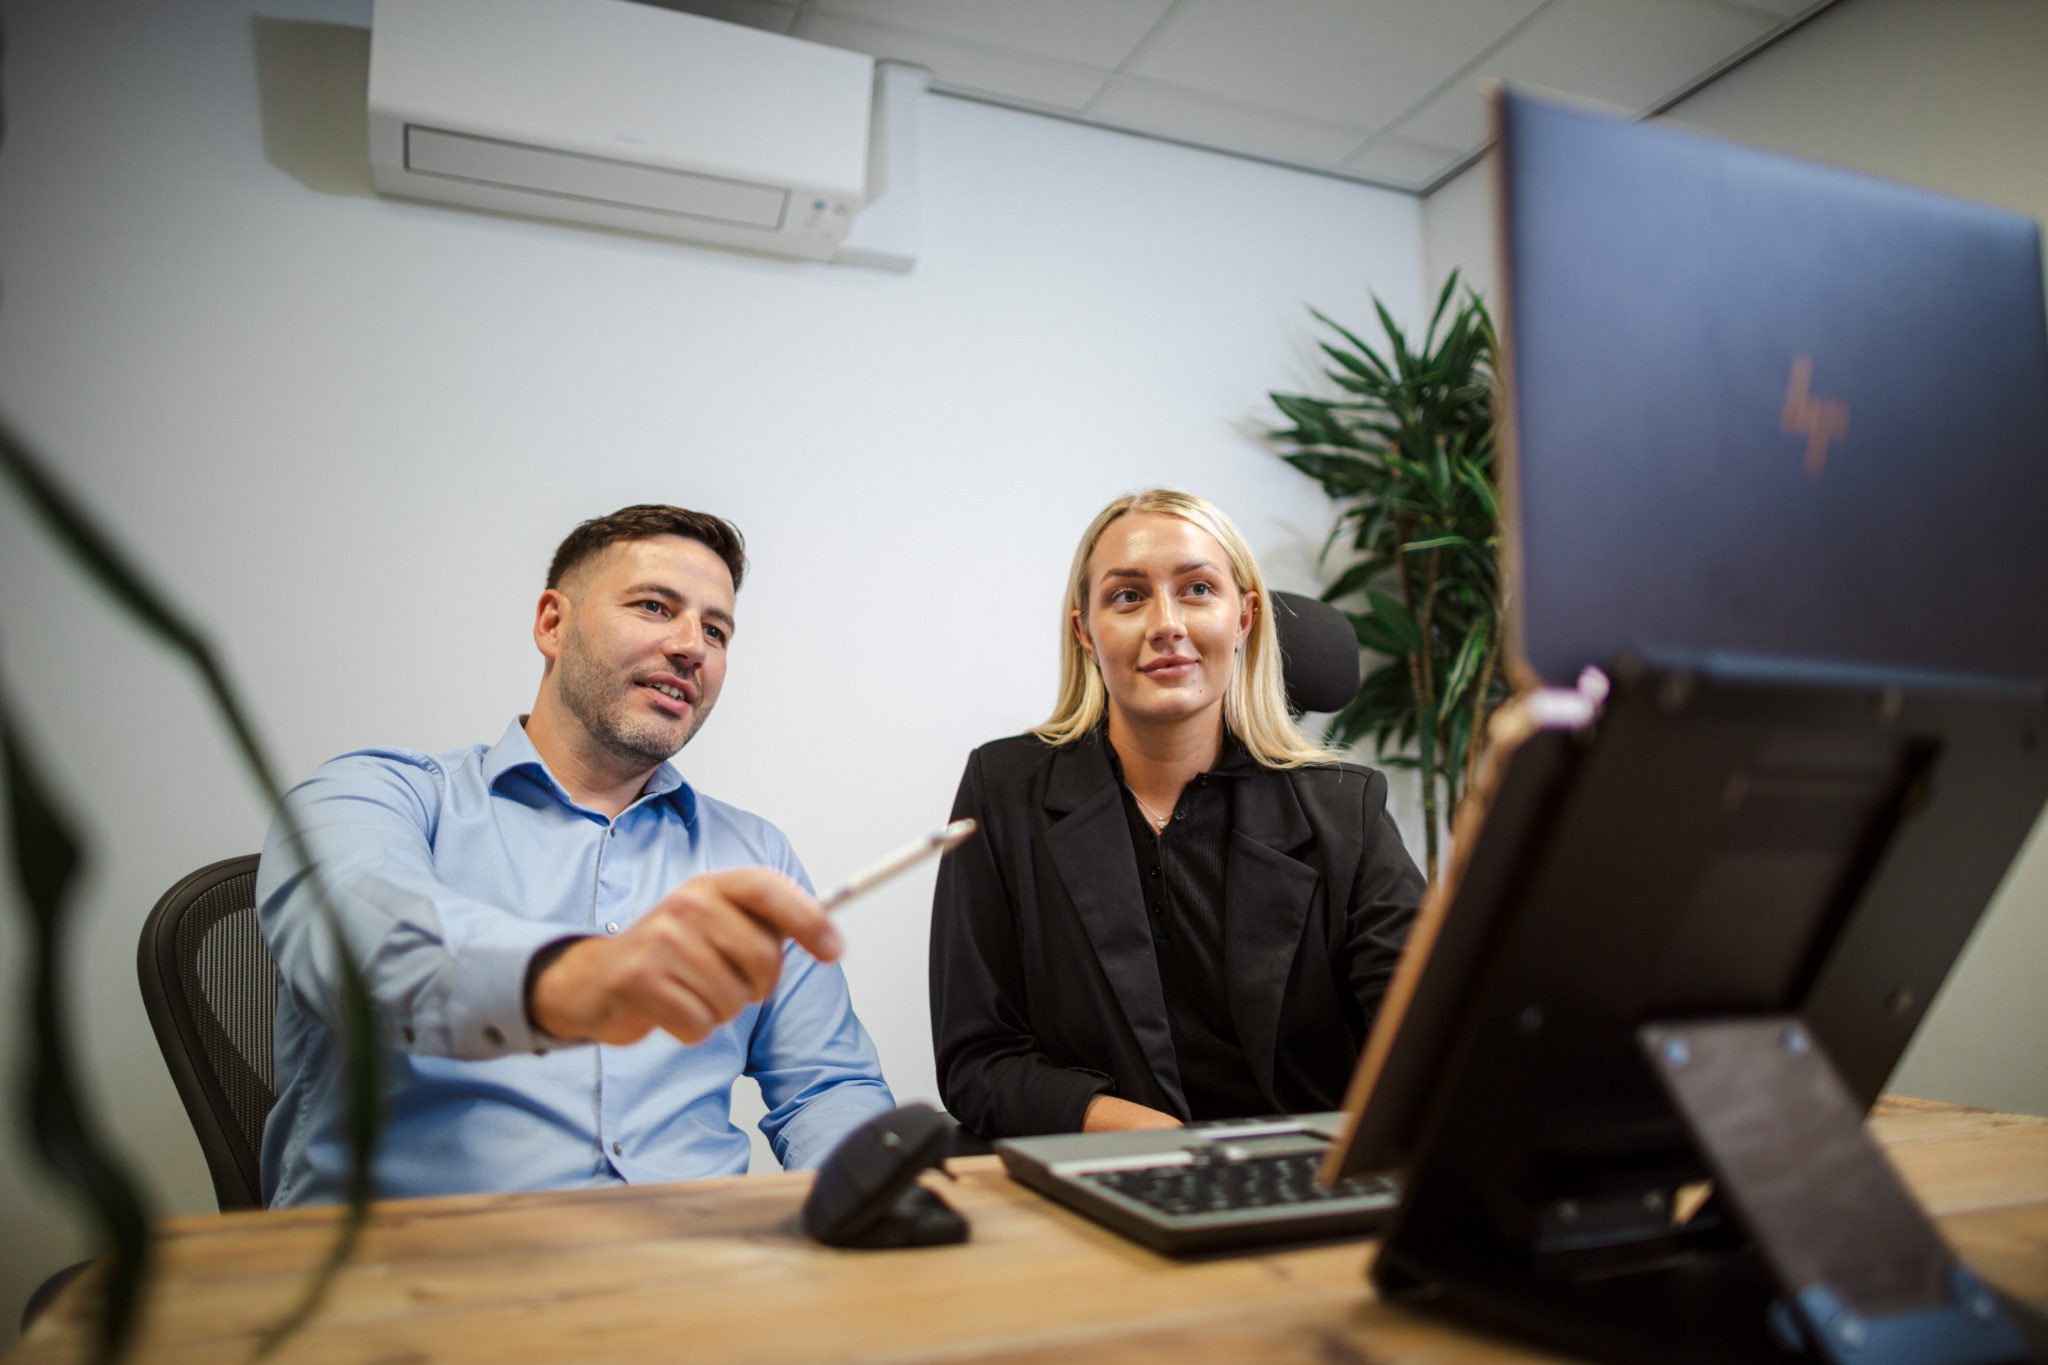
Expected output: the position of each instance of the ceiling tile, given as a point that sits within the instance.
(965, 67)
(769, 14)
(1149, 107)
(1395, 160)
(1350, 62)
(1455, 117)
(1632, 54)
(1098, 33)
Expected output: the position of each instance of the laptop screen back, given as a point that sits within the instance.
(1764, 407)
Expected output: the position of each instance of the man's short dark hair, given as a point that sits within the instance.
(643, 521)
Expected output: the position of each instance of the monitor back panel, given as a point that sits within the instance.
(1767, 408)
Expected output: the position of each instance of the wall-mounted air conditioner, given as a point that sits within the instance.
(628, 116)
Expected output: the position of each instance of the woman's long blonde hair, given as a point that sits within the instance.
(1254, 701)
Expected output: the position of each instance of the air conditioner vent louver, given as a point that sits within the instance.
(622, 115)
(595, 180)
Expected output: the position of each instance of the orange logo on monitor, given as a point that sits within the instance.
(1822, 420)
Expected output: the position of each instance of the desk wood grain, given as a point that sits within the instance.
(718, 1271)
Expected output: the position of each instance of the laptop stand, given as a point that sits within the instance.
(1748, 876)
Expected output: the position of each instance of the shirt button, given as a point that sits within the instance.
(1155, 871)
(611, 926)
(618, 1149)
(492, 1036)
(1157, 909)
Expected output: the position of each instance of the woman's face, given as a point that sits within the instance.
(1163, 617)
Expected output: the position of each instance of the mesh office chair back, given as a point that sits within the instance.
(211, 991)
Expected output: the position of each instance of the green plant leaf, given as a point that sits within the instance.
(1476, 479)
(1316, 418)
(94, 551)
(1393, 619)
(1404, 360)
(45, 856)
(1349, 724)
(1471, 652)
(1436, 315)
(1373, 375)
(1366, 355)
(1374, 636)
(1340, 475)
(1419, 417)
(1437, 543)
(1353, 579)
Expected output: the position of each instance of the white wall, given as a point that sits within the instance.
(1949, 94)
(348, 431)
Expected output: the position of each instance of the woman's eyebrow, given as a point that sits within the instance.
(1192, 566)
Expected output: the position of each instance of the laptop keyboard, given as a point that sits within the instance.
(1213, 1183)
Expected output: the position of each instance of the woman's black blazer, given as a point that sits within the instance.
(1045, 985)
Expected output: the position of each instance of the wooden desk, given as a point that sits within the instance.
(716, 1271)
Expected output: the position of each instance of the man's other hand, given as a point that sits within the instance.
(704, 952)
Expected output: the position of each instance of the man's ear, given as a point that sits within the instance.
(550, 618)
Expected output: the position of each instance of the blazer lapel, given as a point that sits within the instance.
(1266, 898)
(1089, 839)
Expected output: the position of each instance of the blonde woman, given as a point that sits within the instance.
(1179, 908)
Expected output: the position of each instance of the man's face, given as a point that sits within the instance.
(642, 645)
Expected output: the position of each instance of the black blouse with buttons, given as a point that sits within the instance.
(1181, 868)
(1283, 898)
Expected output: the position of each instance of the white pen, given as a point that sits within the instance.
(902, 860)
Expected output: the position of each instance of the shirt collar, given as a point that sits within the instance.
(514, 753)
(1232, 760)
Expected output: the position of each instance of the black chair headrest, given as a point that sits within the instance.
(1318, 652)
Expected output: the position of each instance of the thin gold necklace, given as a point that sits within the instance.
(1154, 816)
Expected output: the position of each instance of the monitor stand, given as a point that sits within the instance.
(1636, 1144)
(1809, 1248)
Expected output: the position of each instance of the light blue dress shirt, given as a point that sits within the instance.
(450, 871)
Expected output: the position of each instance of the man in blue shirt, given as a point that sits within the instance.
(572, 952)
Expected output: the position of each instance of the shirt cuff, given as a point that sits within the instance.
(537, 964)
(1079, 1087)
(816, 1131)
(486, 1013)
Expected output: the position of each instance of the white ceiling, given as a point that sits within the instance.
(1381, 91)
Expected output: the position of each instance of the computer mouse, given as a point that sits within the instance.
(866, 1193)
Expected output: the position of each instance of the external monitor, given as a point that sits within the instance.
(1825, 741)
(1760, 406)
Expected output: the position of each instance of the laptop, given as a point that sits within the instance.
(1765, 408)
(1758, 409)
(1207, 1187)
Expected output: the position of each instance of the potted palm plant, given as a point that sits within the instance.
(1406, 451)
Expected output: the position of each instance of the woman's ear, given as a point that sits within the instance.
(1081, 632)
(1247, 612)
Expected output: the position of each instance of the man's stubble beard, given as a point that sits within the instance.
(586, 689)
